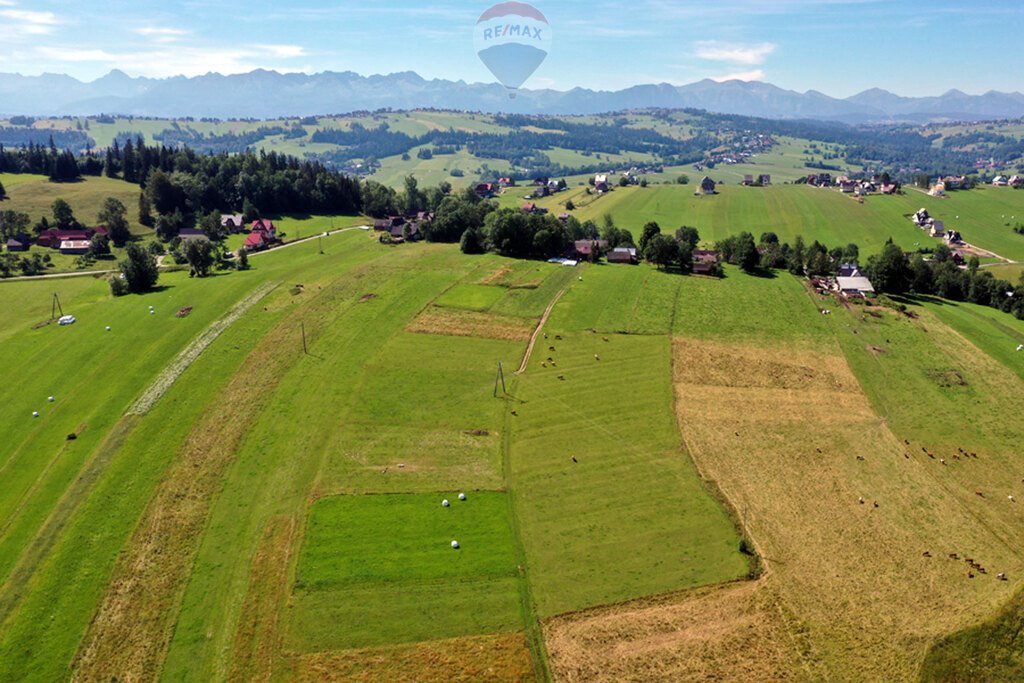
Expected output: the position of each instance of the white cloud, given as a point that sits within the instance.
(754, 75)
(735, 53)
(67, 54)
(20, 22)
(285, 51)
(159, 60)
(162, 34)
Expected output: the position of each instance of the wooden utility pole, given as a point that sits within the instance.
(305, 349)
(500, 379)
(55, 307)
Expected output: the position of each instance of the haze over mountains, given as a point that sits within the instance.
(268, 94)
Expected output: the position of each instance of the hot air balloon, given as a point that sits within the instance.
(512, 40)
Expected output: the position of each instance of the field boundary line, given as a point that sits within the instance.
(532, 622)
(190, 353)
(540, 328)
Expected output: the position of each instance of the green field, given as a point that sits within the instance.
(375, 564)
(34, 195)
(276, 511)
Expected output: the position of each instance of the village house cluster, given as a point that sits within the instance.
(1016, 181)
(856, 186)
(71, 242)
(400, 229)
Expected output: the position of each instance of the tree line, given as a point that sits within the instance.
(895, 272)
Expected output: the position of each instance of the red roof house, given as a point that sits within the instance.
(52, 238)
(255, 241)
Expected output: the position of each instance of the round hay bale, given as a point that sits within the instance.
(455, 545)
(462, 496)
(445, 503)
(108, 328)
(51, 399)
(35, 413)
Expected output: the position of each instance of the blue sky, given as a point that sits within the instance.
(839, 47)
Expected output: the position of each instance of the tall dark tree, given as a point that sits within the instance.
(113, 215)
(145, 210)
(13, 223)
(798, 256)
(747, 256)
(689, 236)
(662, 251)
(139, 269)
(63, 216)
(3, 192)
(649, 231)
(890, 271)
(199, 255)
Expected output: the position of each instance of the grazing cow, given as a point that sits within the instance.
(926, 554)
(980, 494)
(954, 556)
(1001, 576)
(859, 457)
(942, 460)
(861, 500)
(574, 459)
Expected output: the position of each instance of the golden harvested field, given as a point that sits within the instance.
(725, 633)
(478, 659)
(856, 526)
(458, 323)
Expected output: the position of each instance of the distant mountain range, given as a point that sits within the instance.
(268, 94)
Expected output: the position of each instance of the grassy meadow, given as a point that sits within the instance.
(277, 514)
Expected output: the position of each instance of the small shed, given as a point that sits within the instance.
(18, 243)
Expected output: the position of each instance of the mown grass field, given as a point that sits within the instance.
(276, 514)
(790, 210)
(378, 563)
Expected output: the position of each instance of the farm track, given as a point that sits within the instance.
(540, 328)
(131, 630)
(184, 360)
(257, 641)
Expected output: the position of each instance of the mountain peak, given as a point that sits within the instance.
(268, 94)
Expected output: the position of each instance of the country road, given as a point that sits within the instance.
(160, 259)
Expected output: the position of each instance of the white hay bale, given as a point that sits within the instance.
(462, 496)
(51, 399)
(108, 328)
(35, 413)
(445, 503)
(455, 545)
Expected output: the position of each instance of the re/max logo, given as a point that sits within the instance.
(513, 30)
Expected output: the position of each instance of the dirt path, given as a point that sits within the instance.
(328, 233)
(540, 328)
(191, 352)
